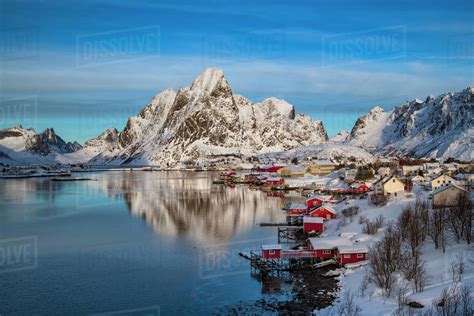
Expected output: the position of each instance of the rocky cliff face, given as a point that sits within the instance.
(208, 119)
(437, 127)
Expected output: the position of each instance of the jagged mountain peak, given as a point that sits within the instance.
(280, 105)
(439, 127)
(208, 119)
(376, 110)
(340, 137)
(209, 80)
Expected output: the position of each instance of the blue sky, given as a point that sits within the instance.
(84, 66)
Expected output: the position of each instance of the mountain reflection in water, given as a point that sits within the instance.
(188, 204)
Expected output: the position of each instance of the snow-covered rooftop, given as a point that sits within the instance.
(329, 242)
(271, 247)
(352, 249)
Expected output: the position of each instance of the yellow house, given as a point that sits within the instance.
(292, 171)
(391, 186)
(321, 167)
(442, 180)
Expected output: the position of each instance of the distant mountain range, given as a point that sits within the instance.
(440, 126)
(207, 120)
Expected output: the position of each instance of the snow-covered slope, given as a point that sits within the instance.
(368, 129)
(325, 151)
(437, 127)
(20, 145)
(102, 143)
(340, 137)
(208, 119)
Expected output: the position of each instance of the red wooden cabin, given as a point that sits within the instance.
(274, 181)
(351, 254)
(268, 168)
(313, 224)
(297, 208)
(325, 247)
(271, 251)
(325, 211)
(359, 187)
(225, 175)
(317, 200)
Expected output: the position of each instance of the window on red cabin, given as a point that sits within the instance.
(271, 252)
(347, 256)
(326, 251)
(360, 255)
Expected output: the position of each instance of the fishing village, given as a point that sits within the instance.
(333, 211)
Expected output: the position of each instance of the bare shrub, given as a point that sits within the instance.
(364, 284)
(457, 269)
(342, 222)
(371, 227)
(385, 259)
(378, 199)
(348, 307)
(414, 222)
(402, 300)
(460, 219)
(413, 269)
(437, 228)
(350, 212)
(454, 301)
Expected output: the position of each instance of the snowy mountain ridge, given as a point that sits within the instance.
(207, 119)
(20, 145)
(439, 127)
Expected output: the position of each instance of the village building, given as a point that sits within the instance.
(465, 180)
(359, 187)
(391, 186)
(317, 200)
(433, 172)
(351, 254)
(417, 179)
(430, 165)
(296, 208)
(318, 184)
(447, 196)
(292, 171)
(271, 251)
(274, 181)
(321, 167)
(347, 174)
(384, 172)
(442, 180)
(269, 168)
(325, 247)
(411, 170)
(325, 211)
(313, 224)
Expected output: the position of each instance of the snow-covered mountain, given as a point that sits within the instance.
(340, 137)
(20, 145)
(207, 119)
(440, 126)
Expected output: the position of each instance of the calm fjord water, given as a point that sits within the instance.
(151, 242)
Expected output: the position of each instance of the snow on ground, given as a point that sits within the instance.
(323, 151)
(373, 302)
